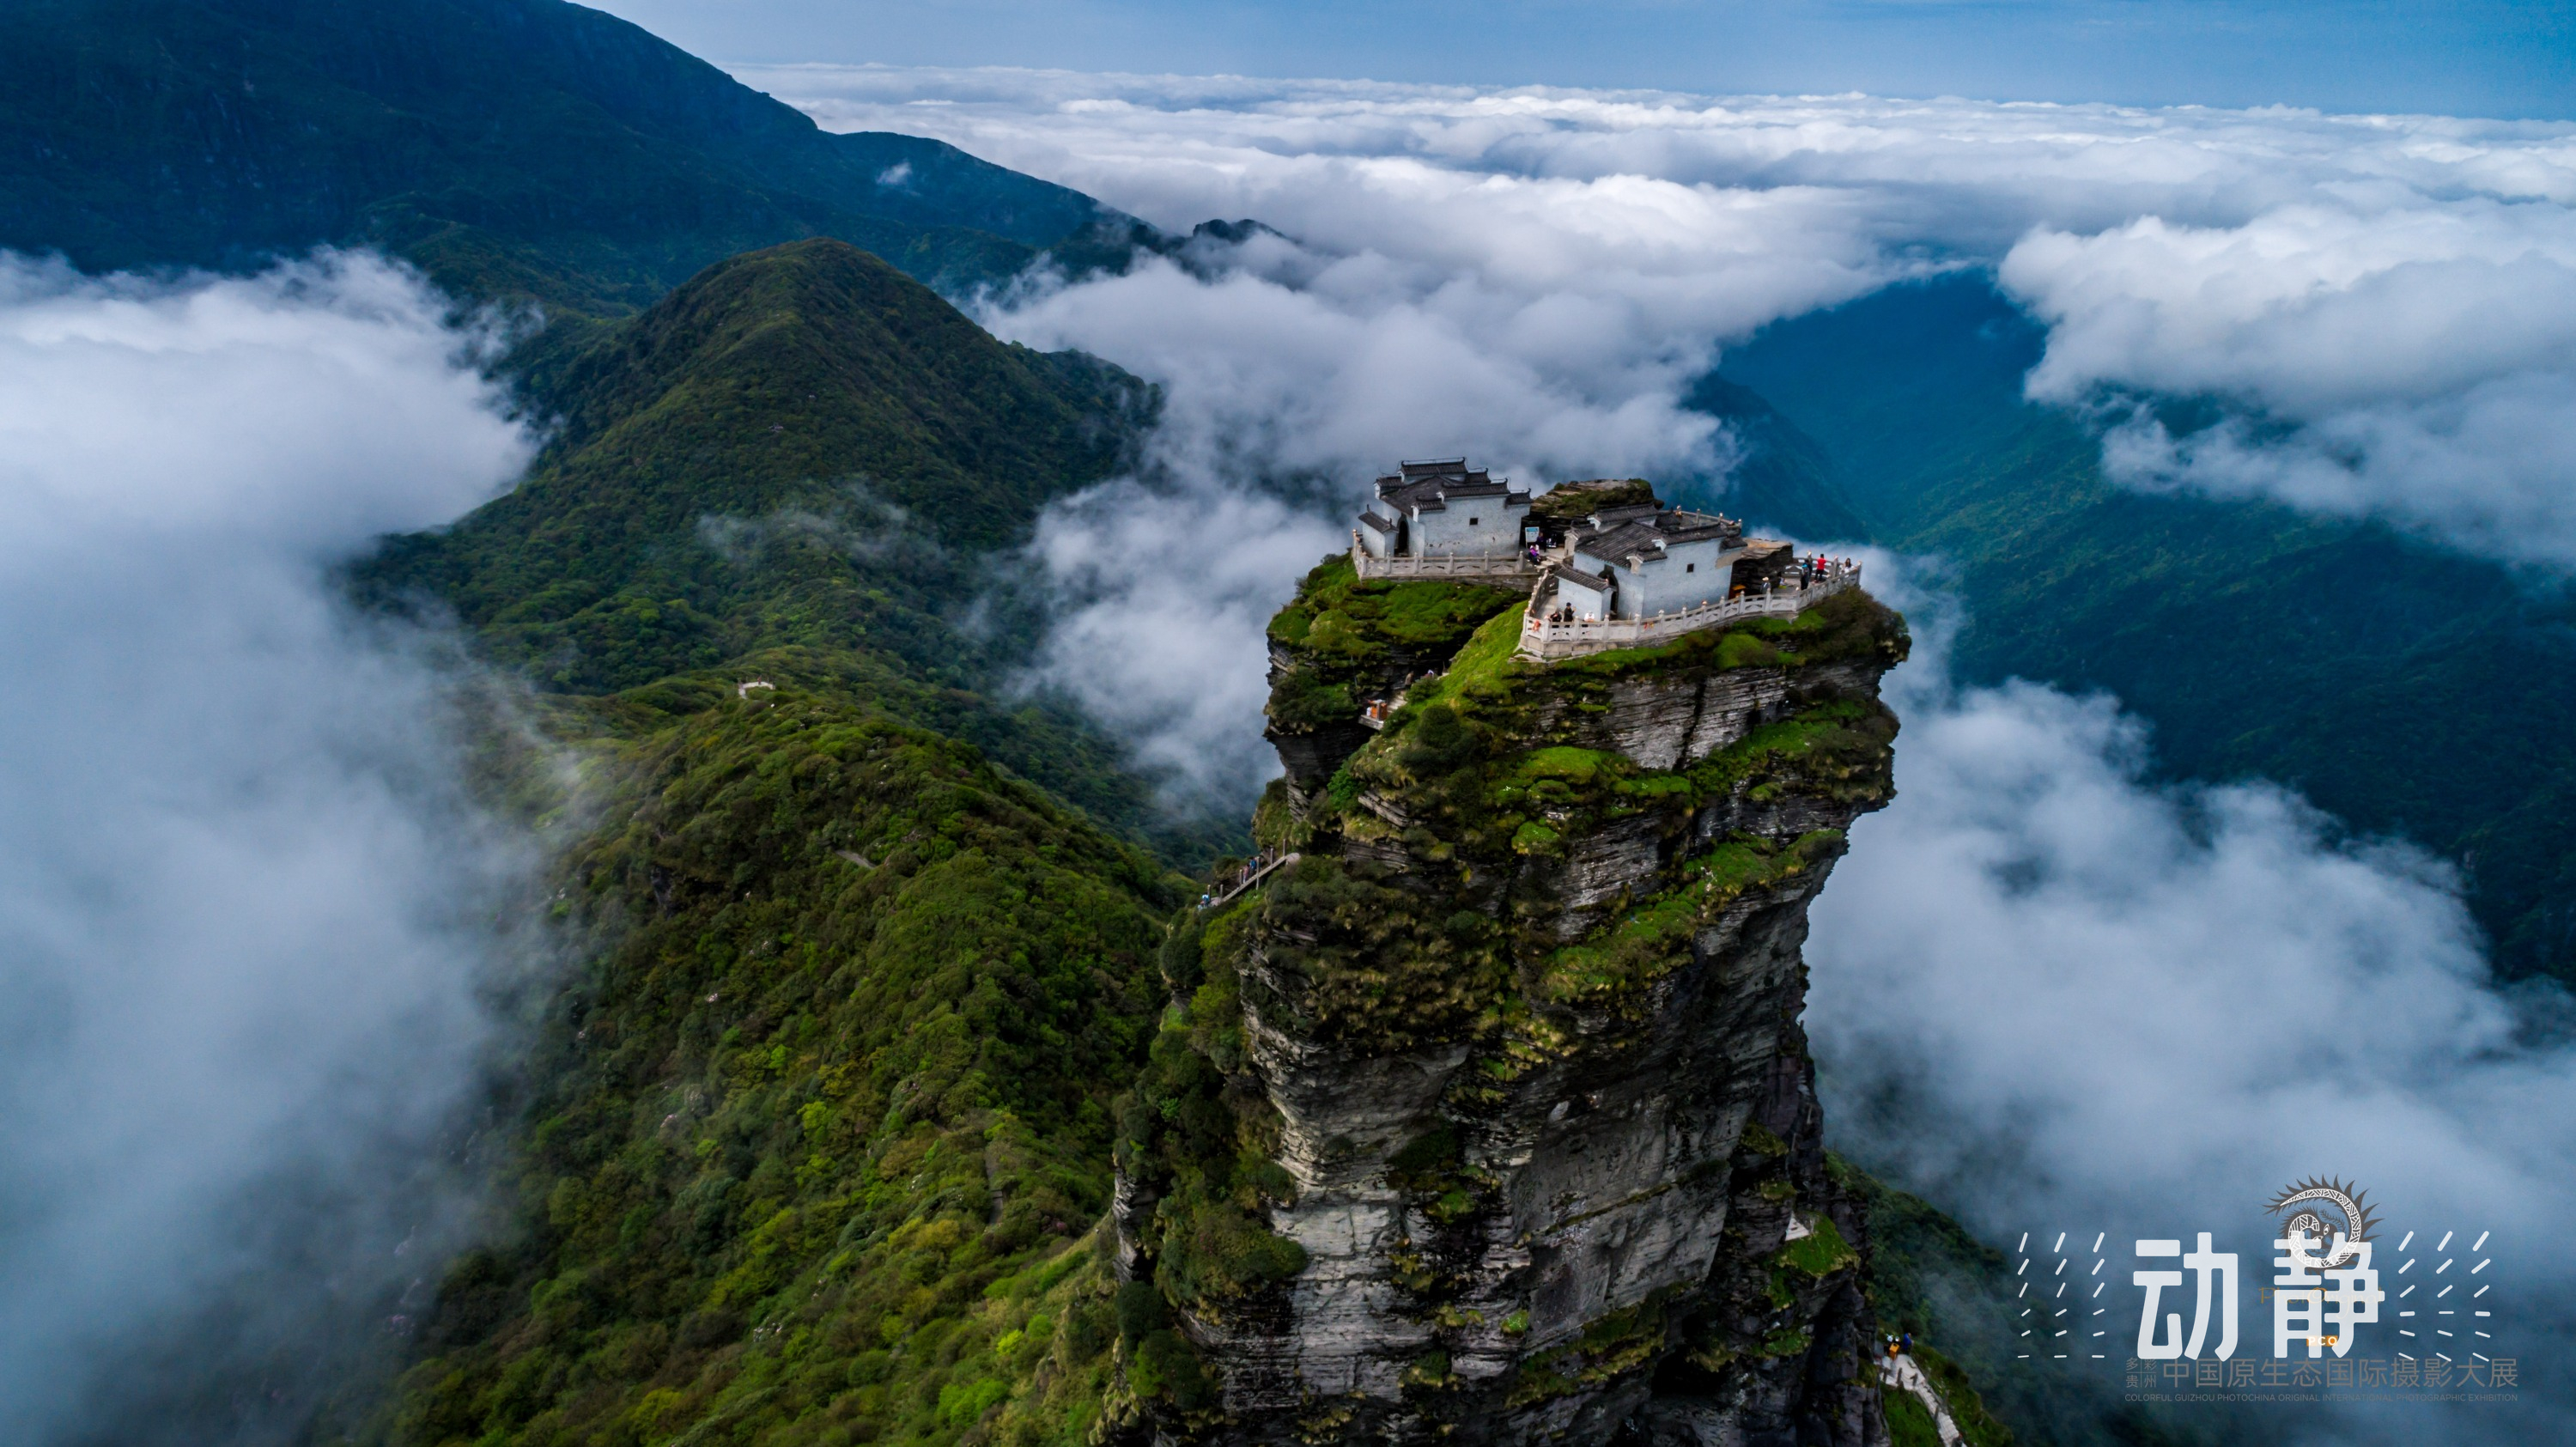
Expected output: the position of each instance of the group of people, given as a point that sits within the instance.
(1261, 860)
(1815, 569)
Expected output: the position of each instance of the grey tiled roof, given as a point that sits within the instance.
(1581, 579)
(1431, 492)
(1645, 532)
(1620, 541)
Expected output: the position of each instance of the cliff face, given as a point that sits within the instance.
(1491, 1118)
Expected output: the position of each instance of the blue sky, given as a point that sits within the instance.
(2470, 57)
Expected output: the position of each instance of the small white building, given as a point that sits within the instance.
(1635, 562)
(1443, 509)
(1582, 595)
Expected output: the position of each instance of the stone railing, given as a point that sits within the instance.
(1250, 878)
(1543, 637)
(1494, 567)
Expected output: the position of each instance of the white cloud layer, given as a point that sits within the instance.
(2058, 998)
(2393, 354)
(244, 906)
(2383, 308)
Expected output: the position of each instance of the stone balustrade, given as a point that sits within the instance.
(1482, 567)
(1543, 637)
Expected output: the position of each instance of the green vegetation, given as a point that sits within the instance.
(1382, 975)
(1612, 1345)
(1347, 641)
(1653, 936)
(1458, 754)
(787, 469)
(817, 1139)
(2259, 640)
(1819, 1253)
(1337, 618)
(1201, 1153)
(799, 446)
(1909, 1423)
(511, 148)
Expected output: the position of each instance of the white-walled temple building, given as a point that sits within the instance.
(1625, 570)
(1635, 562)
(1443, 509)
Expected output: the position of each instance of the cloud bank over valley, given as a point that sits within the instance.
(2379, 303)
(245, 905)
(2364, 309)
(2058, 997)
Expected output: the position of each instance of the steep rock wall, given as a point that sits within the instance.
(1524, 1133)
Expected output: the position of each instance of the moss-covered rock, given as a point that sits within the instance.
(1519, 1030)
(1344, 641)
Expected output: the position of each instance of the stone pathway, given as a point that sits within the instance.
(1903, 1371)
(1264, 872)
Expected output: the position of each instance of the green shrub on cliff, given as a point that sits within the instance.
(1346, 639)
(1200, 1152)
(1654, 934)
(1337, 616)
(1384, 970)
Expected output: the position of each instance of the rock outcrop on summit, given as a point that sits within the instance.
(1490, 1117)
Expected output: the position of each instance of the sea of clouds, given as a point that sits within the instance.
(2381, 308)
(2047, 989)
(247, 926)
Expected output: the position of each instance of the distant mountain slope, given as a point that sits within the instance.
(1783, 480)
(2404, 687)
(804, 462)
(522, 147)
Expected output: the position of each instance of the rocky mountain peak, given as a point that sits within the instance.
(1490, 1118)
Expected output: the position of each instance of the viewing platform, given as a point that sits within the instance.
(1555, 637)
(1500, 569)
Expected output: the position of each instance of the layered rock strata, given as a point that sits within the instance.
(1492, 1118)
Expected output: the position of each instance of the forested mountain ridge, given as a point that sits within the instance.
(811, 1140)
(811, 1144)
(805, 466)
(510, 148)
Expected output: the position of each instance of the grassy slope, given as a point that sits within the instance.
(2339, 657)
(511, 147)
